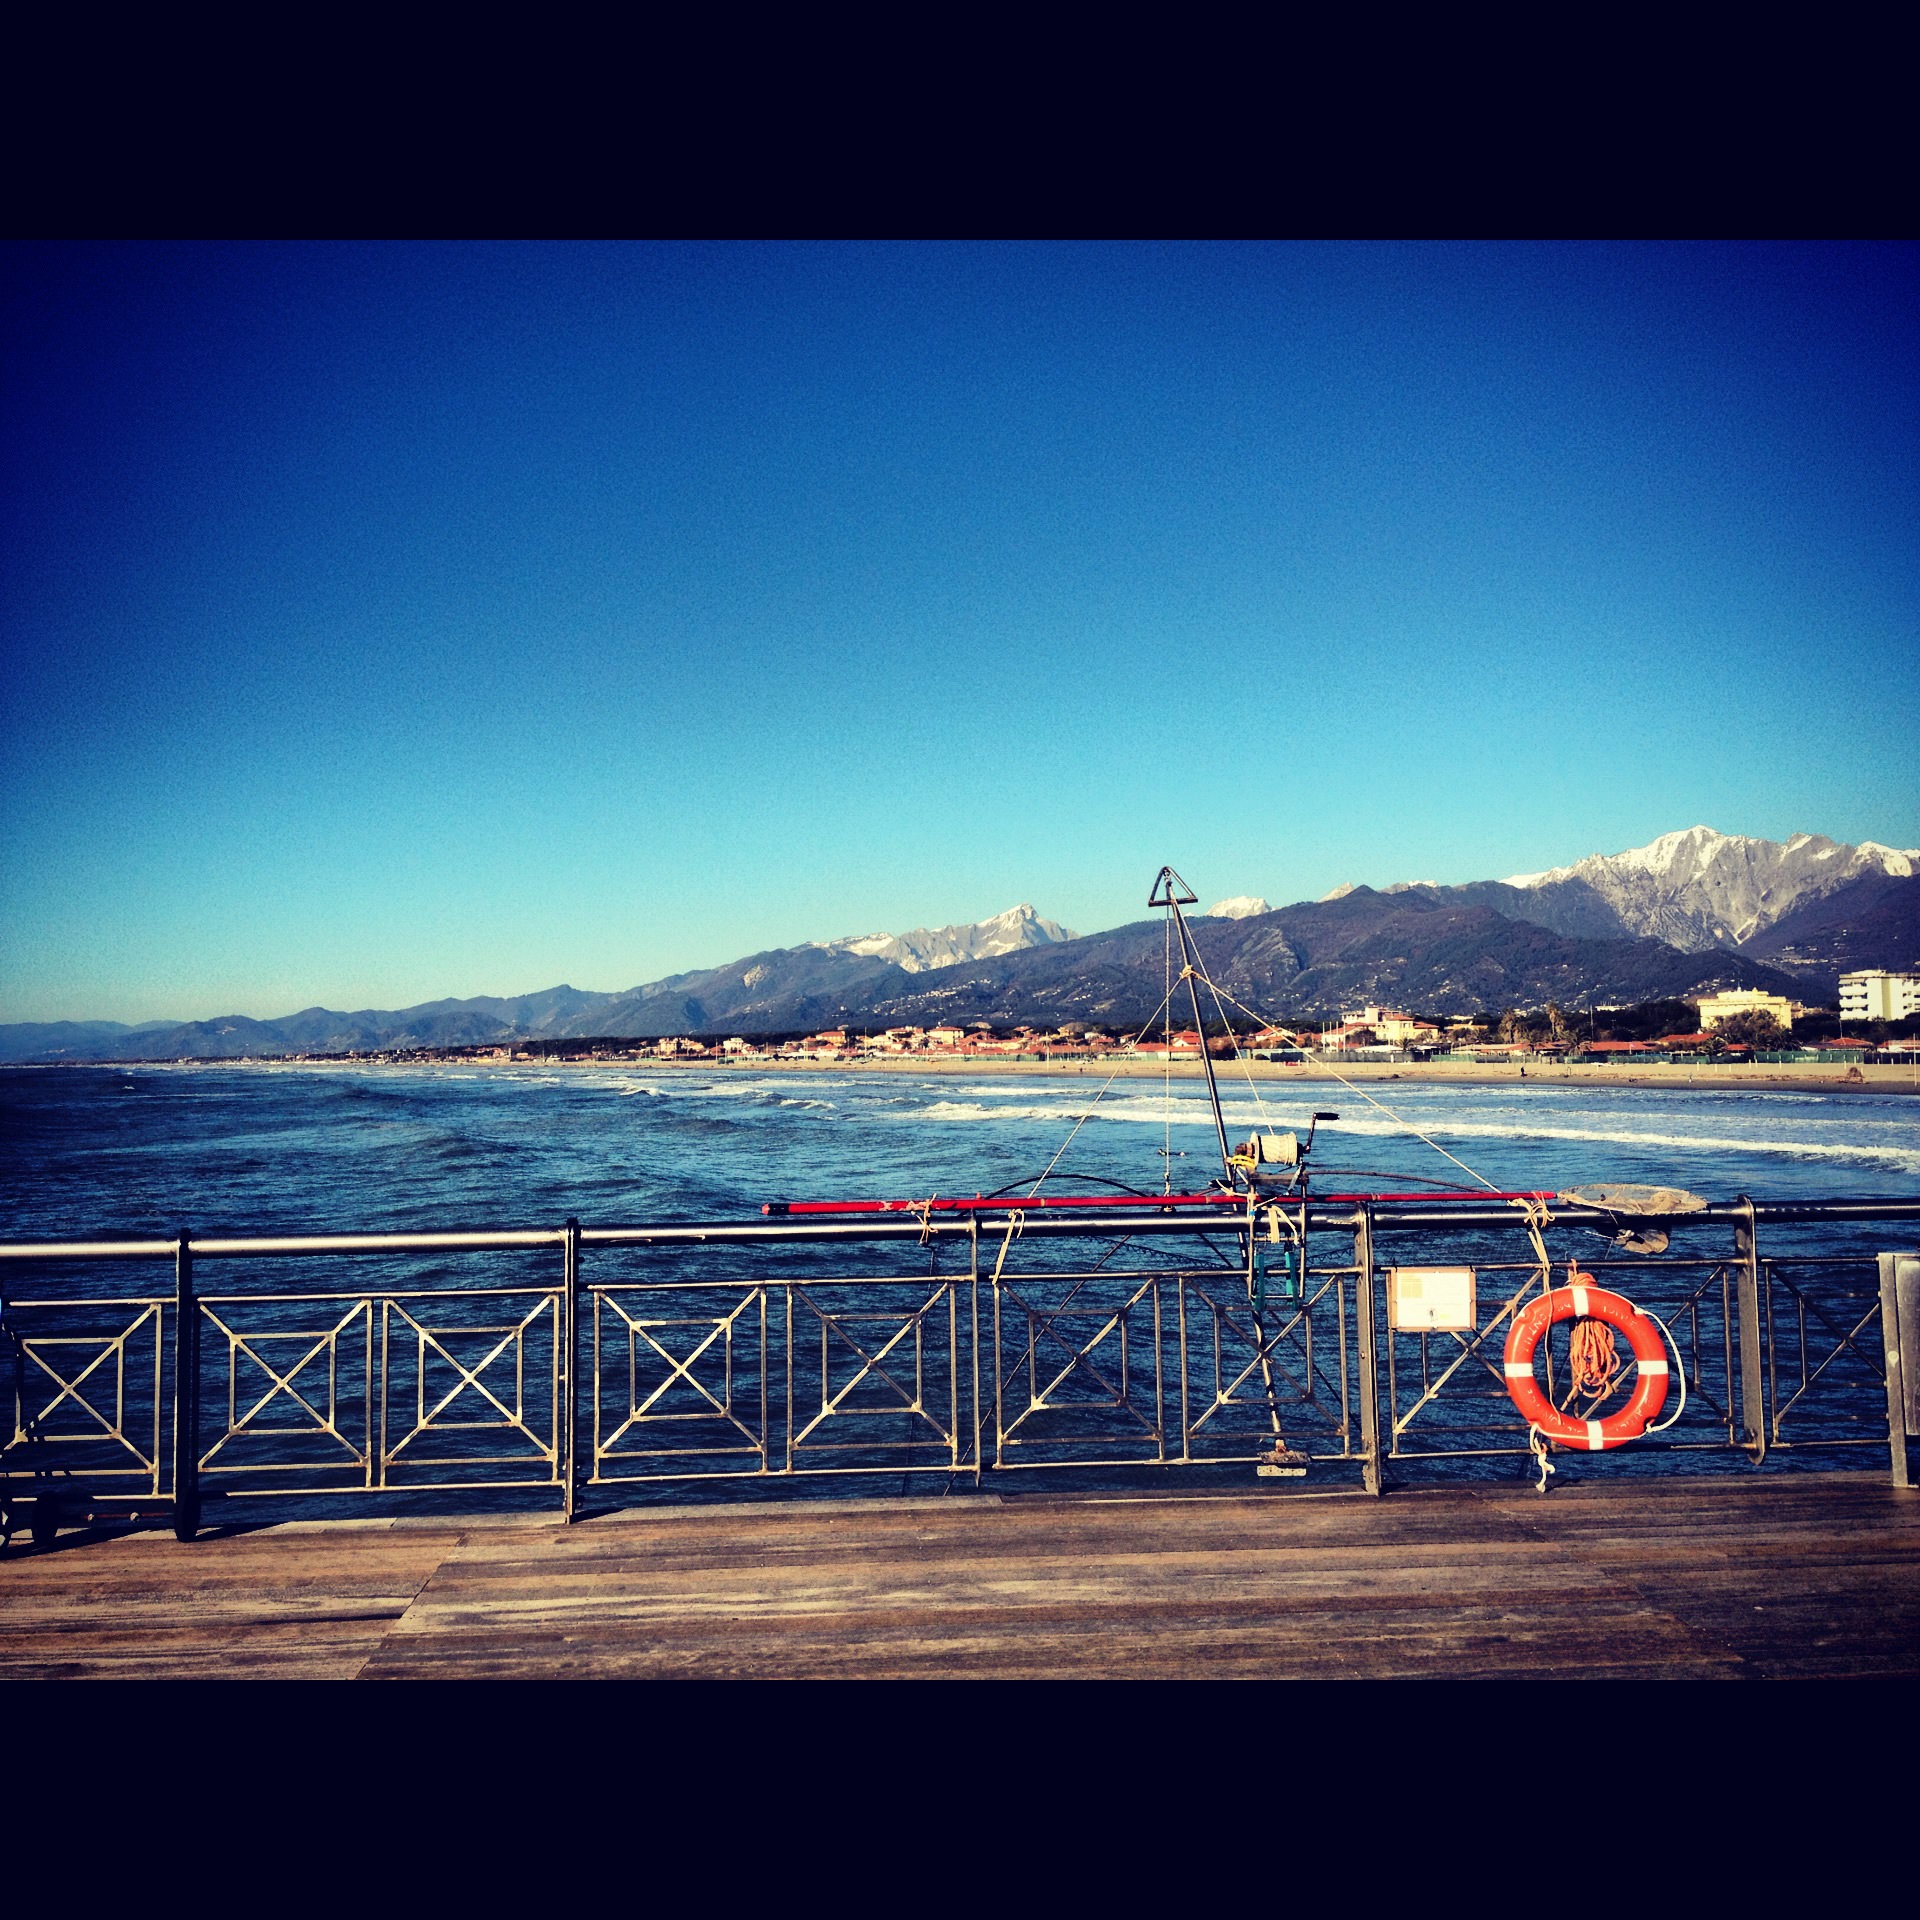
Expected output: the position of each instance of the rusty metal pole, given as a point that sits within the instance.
(186, 1394)
(1753, 1397)
(1370, 1477)
(973, 1297)
(1900, 1329)
(570, 1362)
(1190, 962)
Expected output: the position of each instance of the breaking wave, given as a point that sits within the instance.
(1240, 1114)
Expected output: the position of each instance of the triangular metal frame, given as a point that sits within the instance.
(1164, 894)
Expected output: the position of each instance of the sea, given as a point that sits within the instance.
(287, 1148)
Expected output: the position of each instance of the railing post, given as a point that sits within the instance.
(973, 1296)
(569, 1393)
(186, 1394)
(1900, 1328)
(1370, 1477)
(1753, 1398)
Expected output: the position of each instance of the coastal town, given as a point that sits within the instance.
(1723, 1028)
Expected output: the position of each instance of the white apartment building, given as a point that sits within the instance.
(1395, 1029)
(1716, 1007)
(1870, 995)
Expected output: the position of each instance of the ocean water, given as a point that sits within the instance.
(274, 1149)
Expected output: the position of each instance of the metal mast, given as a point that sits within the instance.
(1171, 892)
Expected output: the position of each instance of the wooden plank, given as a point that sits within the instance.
(312, 1606)
(1786, 1574)
(1058, 1588)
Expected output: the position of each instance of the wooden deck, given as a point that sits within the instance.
(1748, 1576)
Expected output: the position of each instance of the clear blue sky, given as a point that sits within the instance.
(389, 622)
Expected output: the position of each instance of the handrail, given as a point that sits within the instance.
(1385, 1213)
(218, 1247)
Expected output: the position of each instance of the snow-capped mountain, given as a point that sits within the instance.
(1699, 889)
(1781, 915)
(1808, 904)
(928, 947)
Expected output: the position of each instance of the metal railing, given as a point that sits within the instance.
(720, 1351)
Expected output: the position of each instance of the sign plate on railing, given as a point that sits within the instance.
(1431, 1300)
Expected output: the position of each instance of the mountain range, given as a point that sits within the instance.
(1692, 911)
(1808, 905)
(928, 947)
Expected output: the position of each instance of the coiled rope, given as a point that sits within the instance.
(1593, 1357)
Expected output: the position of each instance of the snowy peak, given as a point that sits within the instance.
(1698, 888)
(1243, 906)
(1892, 860)
(927, 947)
(1688, 849)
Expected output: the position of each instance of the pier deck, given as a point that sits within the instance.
(1741, 1576)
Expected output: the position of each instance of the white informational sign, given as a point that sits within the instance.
(1431, 1300)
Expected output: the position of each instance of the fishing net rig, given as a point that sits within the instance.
(1262, 1190)
(1271, 1163)
(1272, 1167)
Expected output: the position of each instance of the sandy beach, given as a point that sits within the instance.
(1808, 1076)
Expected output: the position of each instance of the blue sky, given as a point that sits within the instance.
(389, 622)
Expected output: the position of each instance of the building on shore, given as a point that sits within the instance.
(1390, 1028)
(1718, 1007)
(1872, 995)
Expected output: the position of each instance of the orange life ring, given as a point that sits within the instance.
(1577, 1300)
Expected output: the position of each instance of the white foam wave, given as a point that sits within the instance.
(967, 1110)
(1521, 1126)
(1906, 1159)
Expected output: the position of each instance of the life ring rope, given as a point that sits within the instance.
(1583, 1300)
(1679, 1373)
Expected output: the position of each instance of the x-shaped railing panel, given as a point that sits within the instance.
(835, 1324)
(1265, 1368)
(1472, 1349)
(1043, 1330)
(248, 1344)
(1847, 1345)
(430, 1343)
(108, 1368)
(650, 1332)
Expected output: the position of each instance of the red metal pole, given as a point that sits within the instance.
(1138, 1203)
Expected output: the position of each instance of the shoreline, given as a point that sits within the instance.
(1805, 1076)
(1810, 1075)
